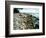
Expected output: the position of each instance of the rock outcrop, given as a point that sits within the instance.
(23, 21)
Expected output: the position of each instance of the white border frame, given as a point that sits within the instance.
(25, 31)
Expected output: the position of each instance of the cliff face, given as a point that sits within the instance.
(23, 21)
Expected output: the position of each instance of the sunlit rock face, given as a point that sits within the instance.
(22, 21)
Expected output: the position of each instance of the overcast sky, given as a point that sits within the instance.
(29, 10)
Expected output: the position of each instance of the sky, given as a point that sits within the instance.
(29, 10)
